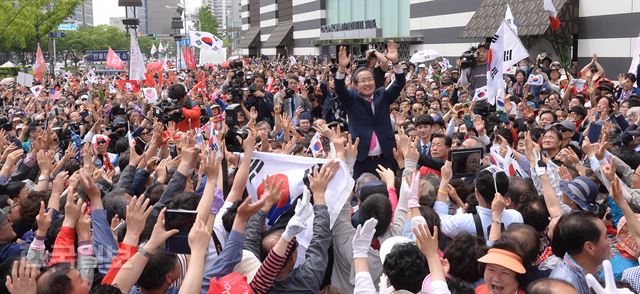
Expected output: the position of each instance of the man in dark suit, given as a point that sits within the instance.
(367, 108)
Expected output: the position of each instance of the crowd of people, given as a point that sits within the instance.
(97, 179)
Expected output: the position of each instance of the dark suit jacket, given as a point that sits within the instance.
(362, 120)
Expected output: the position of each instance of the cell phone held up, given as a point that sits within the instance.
(181, 220)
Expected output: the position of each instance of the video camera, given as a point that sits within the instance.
(168, 110)
(231, 137)
(468, 58)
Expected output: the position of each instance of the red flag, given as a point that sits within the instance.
(40, 66)
(114, 61)
(554, 21)
(128, 86)
(189, 59)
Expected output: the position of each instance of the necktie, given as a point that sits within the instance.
(374, 138)
(424, 149)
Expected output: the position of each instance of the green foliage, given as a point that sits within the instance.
(24, 23)
(145, 43)
(9, 71)
(206, 21)
(86, 38)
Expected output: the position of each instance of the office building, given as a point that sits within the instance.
(83, 13)
(317, 27)
(159, 14)
(221, 9)
(117, 23)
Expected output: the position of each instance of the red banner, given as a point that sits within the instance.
(189, 59)
(114, 61)
(40, 66)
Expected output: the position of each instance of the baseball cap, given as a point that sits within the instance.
(582, 191)
(504, 258)
(388, 245)
(566, 124)
(579, 110)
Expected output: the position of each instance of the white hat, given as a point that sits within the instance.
(422, 65)
(388, 244)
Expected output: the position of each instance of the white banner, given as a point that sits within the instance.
(294, 171)
(136, 72)
(212, 56)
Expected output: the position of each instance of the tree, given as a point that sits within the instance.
(206, 21)
(23, 20)
(76, 43)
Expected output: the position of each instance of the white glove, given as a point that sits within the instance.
(362, 238)
(609, 282)
(412, 194)
(297, 223)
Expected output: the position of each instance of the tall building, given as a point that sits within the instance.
(318, 27)
(83, 14)
(159, 14)
(117, 23)
(221, 9)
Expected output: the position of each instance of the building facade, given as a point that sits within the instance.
(317, 27)
(221, 9)
(83, 13)
(159, 14)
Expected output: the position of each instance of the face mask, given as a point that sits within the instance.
(524, 68)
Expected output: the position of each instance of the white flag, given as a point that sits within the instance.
(316, 144)
(36, 90)
(205, 40)
(153, 49)
(294, 171)
(161, 49)
(511, 21)
(480, 94)
(136, 72)
(535, 80)
(506, 50)
(636, 57)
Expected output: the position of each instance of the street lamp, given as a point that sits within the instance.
(130, 22)
(176, 26)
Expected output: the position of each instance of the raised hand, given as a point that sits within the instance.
(272, 191)
(159, 234)
(386, 175)
(363, 237)
(392, 52)
(427, 242)
(73, 210)
(199, 237)
(344, 59)
(247, 209)
(303, 211)
(609, 281)
(413, 195)
(446, 172)
(319, 180)
(138, 211)
(23, 277)
(43, 220)
(83, 228)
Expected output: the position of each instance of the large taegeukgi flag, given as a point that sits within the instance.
(294, 170)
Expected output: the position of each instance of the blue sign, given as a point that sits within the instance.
(101, 55)
(68, 27)
(56, 35)
(185, 42)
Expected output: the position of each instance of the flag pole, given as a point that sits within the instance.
(558, 49)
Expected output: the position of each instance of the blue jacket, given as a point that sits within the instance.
(362, 120)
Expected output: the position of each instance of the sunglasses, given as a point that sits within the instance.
(101, 142)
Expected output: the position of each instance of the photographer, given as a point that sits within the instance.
(260, 99)
(473, 73)
(190, 110)
(291, 101)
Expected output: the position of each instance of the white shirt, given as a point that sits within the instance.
(452, 225)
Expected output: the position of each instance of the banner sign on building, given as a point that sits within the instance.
(351, 30)
(68, 27)
(101, 55)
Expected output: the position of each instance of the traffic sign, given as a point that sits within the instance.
(68, 27)
(56, 35)
(185, 42)
(101, 55)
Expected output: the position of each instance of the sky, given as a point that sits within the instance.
(104, 9)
